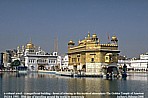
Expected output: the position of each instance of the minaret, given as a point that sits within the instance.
(56, 45)
(18, 51)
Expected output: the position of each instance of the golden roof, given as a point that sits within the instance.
(94, 36)
(29, 45)
(114, 38)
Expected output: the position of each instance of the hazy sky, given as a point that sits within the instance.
(43, 20)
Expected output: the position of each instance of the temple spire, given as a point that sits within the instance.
(30, 40)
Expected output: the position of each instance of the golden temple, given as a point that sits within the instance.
(90, 55)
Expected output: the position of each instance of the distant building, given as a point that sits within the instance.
(62, 61)
(6, 57)
(31, 56)
(59, 62)
(136, 64)
(90, 55)
(36, 59)
(65, 62)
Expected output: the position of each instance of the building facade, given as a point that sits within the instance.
(5, 60)
(90, 55)
(32, 57)
(6, 57)
(62, 61)
(140, 64)
(65, 62)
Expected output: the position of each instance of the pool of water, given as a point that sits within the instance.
(134, 86)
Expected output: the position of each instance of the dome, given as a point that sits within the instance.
(114, 38)
(71, 42)
(94, 36)
(29, 45)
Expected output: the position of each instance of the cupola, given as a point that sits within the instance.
(29, 45)
(71, 42)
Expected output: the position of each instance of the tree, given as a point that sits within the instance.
(15, 63)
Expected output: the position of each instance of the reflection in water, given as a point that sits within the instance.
(37, 82)
(138, 76)
(1, 74)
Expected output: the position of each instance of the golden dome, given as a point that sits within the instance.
(71, 42)
(29, 45)
(114, 38)
(94, 36)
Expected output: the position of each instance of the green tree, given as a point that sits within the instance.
(15, 63)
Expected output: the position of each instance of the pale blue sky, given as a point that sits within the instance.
(43, 20)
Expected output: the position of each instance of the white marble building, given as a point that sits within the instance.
(65, 62)
(35, 58)
(62, 61)
(136, 64)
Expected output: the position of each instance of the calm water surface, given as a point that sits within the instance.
(36, 82)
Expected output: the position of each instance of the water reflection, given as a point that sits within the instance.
(37, 82)
(138, 76)
(1, 74)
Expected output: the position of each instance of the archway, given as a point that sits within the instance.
(84, 68)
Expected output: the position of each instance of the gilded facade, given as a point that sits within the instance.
(90, 55)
